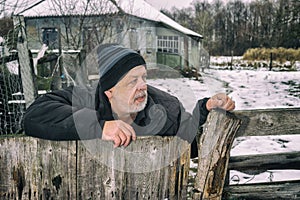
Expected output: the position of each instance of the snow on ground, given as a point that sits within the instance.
(186, 90)
(260, 89)
(250, 89)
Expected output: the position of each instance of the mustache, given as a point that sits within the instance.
(141, 94)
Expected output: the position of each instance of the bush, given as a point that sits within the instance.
(279, 54)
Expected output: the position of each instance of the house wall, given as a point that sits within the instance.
(140, 35)
(71, 29)
(135, 33)
(132, 32)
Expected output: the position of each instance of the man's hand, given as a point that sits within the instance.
(222, 101)
(119, 132)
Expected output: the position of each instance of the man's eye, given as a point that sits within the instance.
(133, 81)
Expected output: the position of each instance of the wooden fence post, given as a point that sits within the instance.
(33, 168)
(26, 70)
(149, 168)
(271, 62)
(214, 148)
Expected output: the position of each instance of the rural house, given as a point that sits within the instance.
(76, 25)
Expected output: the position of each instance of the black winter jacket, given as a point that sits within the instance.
(79, 113)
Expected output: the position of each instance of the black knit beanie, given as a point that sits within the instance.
(114, 62)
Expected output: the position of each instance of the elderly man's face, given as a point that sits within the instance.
(129, 95)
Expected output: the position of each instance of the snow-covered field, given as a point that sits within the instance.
(250, 89)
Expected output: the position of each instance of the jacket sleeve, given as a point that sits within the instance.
(63, 115)
(201, 106)
(202, 111)
(190, 124)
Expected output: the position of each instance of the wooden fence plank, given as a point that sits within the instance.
(261, 123)
(58, 169)
(32, 168)
(273, 190)
(280, 121)
(149, 168)
(288, 160)
(214, 148)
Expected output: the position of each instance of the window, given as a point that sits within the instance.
(133, 38)
(50, 37)
(168, 44)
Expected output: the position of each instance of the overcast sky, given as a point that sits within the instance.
(168, 4)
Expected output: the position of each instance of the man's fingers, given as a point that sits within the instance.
(222, 101)
(219, 103)
(133, 137)
(129, 133)
(119, 132)
(127, 141)
(123, 138)
(128, 130)
(117, 141)
(230, 105)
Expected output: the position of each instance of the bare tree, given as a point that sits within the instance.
(13, 7)
(237, 25)
(82, 24)
(204, 21)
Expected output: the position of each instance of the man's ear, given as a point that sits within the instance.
(108, 94)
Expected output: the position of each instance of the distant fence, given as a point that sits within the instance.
(12, 104)
(262, 123)
(12, 89)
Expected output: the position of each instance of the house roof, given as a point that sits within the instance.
(138, 8)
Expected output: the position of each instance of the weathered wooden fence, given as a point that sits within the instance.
(213, 154)
(262, 123)
(151, 167)
(39, 169)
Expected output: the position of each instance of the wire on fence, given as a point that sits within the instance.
(12, 104)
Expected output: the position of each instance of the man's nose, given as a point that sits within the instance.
(142, 85)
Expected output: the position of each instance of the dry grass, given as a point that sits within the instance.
(280, 55)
